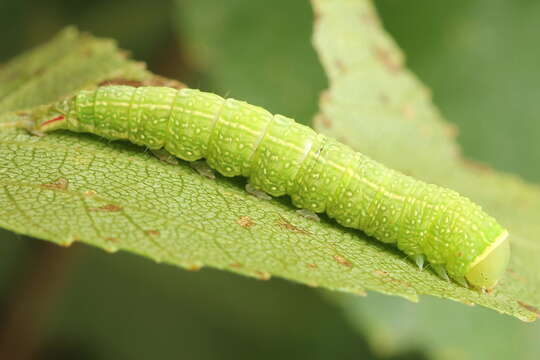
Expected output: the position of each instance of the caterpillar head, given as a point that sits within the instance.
(50, 117)
(488, 268)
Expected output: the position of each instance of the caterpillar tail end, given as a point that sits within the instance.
(488, 268)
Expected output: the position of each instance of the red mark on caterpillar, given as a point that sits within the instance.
(53, 120)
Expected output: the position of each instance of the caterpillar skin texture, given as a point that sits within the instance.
(282, 157)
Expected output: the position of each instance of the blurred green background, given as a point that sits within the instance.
(480, 59)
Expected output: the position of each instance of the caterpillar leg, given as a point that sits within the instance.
(37, 133)
(165, 156)
(441, 271)
(259, 194)
(308, 214)
(419, 259)
(202, 167)
(462, 281)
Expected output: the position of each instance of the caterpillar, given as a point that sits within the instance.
(282, 157)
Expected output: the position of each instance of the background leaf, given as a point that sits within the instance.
(443, 330)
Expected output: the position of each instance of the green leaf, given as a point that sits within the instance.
(67, 187)
(380, 108)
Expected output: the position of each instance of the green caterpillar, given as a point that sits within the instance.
(282, 157)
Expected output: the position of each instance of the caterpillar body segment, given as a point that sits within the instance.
(280, 156)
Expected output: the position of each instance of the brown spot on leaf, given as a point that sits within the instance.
(312, 266)
(163, 81)
(316, 13)
(515, 275)
(488, 291)
(341, 66)
(451, 130)
(112, 239)
(341, 260)
(288, 226)
(153, 81)
(121, 81)
(236, 265)
(108, 208)
(323, 120)
(263, 275)
(245, 221)
(89, 193)
(476, 165)
(408, 112)
(88, 52)
(325, 97)
(368, 18)
(60, 184)
(385, 277)
(531, 308)
(389, 60)
(153, 232)
(385, 99)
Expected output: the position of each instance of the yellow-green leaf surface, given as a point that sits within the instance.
(70, 187)
(380, 108)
